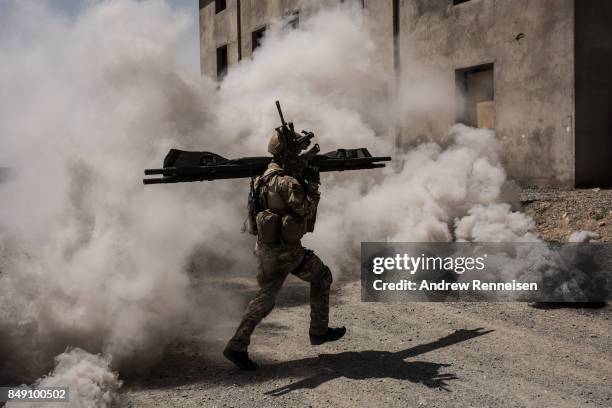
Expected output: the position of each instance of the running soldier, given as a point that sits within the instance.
(282, 208)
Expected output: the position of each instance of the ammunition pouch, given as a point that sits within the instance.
(275, 203)
(268, 226)
(293, 228)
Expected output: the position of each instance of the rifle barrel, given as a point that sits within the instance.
(280, 112)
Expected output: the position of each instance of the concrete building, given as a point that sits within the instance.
(538, 71)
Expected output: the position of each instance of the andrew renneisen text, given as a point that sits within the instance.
(460, 265)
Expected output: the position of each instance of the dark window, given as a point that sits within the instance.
(219, 5)
(257, 38)
(455, 2)
(221, 62)
(476, 98)
(294, 20)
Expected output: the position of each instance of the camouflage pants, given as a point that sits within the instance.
(274, 266)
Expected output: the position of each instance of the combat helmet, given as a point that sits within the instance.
(277, 143)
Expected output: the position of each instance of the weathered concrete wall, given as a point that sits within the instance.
(379, 19)
(216, 30)
(531, 44)
(256, 14)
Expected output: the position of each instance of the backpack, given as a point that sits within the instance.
(255, 202)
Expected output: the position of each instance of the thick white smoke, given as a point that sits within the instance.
(88, 377)
(439, 195)
(91, 258)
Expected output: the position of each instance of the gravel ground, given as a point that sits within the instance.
(558, 213)
(407, 355)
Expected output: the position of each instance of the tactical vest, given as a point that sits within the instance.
(270, 218)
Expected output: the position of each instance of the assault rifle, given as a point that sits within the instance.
(183, 166)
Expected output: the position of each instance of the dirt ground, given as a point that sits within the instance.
(558, 213)
(408, 355)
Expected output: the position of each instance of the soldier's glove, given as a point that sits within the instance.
(311, 174)
(312, 192)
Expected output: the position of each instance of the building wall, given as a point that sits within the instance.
(257, 14)
(219, 29)
(216, 30)
(531, 44)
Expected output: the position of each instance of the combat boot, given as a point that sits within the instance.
(240, 359)
(333, 334)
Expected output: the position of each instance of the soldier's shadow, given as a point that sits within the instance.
(373, 364)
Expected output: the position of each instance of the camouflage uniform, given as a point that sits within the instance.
(276, 261)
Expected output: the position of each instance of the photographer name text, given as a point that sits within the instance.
(474, 285)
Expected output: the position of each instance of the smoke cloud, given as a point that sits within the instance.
(88, 377)
(91, 258)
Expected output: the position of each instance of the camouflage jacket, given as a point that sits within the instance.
(285, 196)
(293, 197)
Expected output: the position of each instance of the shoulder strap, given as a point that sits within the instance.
(269, 173)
